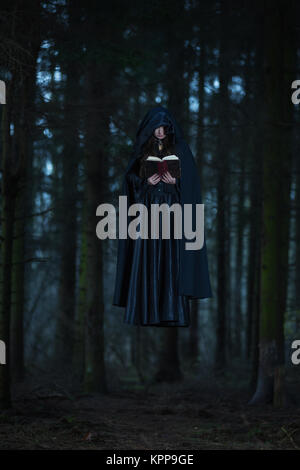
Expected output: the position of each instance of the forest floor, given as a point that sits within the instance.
(191, 415)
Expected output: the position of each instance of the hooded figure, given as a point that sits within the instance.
(155, 278)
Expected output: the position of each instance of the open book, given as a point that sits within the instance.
(158, 165)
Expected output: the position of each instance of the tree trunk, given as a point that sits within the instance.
(222, 200)
(96, 143)
(169, 367)
(199, 158)
(255, 211)
(24, 126)
(279, 61)
(79, 335)
(8, 210)
(67, 283)
(17, 308)
(238, 318)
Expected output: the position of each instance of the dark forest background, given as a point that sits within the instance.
(80, 76)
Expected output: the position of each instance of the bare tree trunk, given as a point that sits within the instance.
(24, 126)
(238, 323)
(67, 283)
(136, 351)
(17, 308)
(79, 334)
(255, 313)
(169, 367)
(255, 218)
(279, 49)
(8, 210)
(195, 304)
(194, 333)
(95, 183)
(222, 200)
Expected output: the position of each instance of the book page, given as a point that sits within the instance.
(171, 157)
(152, 158)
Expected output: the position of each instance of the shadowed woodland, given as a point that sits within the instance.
(79, 78)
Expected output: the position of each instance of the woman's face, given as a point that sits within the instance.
(160, 132)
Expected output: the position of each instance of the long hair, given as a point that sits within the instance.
(150, 148)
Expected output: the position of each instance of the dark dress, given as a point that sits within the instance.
(147, 270)
(153, 298)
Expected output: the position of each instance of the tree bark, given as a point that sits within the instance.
(169, 366)
(279, 54)
(8, 211)
(96, 119)
(70, 161)
(222, 201)
(199, 158)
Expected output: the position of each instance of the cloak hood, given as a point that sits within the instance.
(155, 118)
(194, 279)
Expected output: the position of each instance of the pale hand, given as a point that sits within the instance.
(154, 179)
(167, 178)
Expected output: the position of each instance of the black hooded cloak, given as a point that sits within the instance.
(194, 279)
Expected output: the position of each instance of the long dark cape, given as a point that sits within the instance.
(194, 279)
